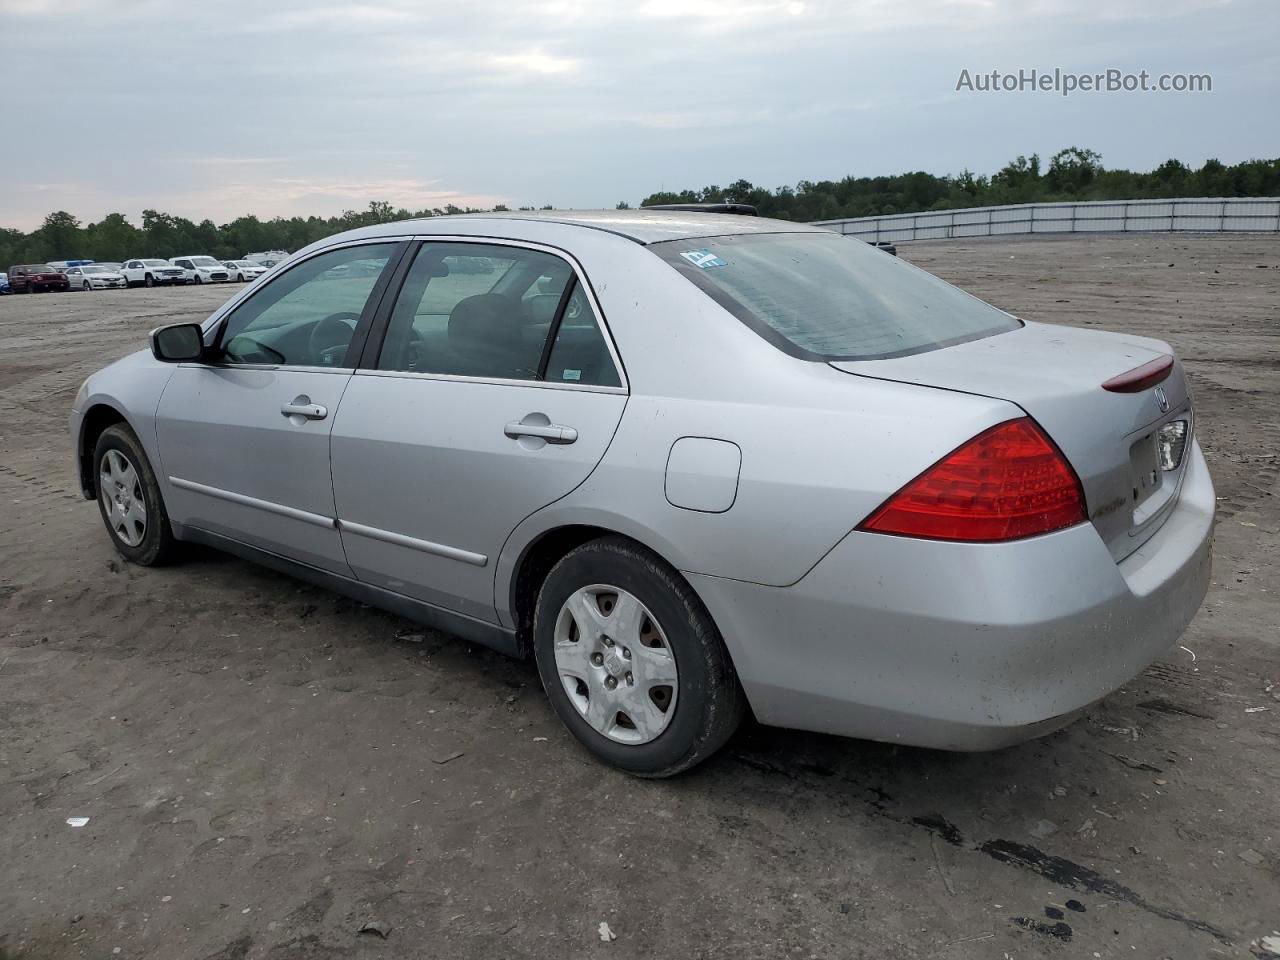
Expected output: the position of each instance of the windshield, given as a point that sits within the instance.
(95, 269)
(205, 262)
(822, 296)
(39, 268)
(157, 263)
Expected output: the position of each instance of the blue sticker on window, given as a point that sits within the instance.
(703, 258)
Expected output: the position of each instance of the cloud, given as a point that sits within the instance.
(536, 62)
(245, 105)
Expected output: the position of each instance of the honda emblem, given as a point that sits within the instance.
(1162, 400)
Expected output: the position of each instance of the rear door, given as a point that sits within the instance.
(244, 441)
(494, 392)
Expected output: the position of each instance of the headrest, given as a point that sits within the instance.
(484, 322)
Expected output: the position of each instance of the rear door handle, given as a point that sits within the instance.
(550, 432)
(311, 411)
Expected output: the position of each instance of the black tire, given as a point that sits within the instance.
(709, 702)
(148, 281)
(158, 545)
(87, 288)
(198, 279)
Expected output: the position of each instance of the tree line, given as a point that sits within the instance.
(1074, 173)
(1071, 174)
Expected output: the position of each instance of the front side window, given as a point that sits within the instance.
(308, 315)
(822, 296)
(487, 311)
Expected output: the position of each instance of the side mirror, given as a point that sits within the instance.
(178, 343)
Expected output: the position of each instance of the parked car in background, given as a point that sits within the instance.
(242, 270)
(201, 269)
(62, 265)
(4, 284)
(152, 273)
(268, 258)
(36, 278)
(899, 513)
(95, 276)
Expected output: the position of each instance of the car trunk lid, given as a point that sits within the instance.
(1055, 374)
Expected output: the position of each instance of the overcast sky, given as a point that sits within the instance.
(217, 109)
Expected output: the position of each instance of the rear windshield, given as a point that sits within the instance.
(823, 296)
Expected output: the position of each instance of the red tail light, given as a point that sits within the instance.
(1008, 482)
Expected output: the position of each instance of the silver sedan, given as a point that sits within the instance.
(694, 464)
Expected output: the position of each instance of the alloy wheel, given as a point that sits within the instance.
(615, 663)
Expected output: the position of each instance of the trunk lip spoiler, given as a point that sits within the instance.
(1141, 377)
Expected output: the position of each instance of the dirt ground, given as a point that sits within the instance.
(262, 763)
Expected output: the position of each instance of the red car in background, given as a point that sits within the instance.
(35, 277)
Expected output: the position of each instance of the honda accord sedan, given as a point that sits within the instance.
(693, 464)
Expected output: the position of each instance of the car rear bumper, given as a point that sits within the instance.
(964, 646)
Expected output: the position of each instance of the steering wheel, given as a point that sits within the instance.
(330, 338)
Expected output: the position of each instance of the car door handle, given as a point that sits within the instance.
(550, 432)
(312, 411)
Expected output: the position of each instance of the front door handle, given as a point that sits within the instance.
(303, 407)
(550, 432)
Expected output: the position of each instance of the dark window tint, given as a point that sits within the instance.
(825, 296)
(579, 353)
(463, 311)
(306, 316)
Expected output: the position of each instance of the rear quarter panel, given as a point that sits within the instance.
(820, 449)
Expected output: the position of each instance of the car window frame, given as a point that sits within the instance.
(367, 365)
(216, 325)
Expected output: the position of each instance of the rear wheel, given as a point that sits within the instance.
(129, 498)
(632, 662)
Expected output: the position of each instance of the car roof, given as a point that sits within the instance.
(642, 226)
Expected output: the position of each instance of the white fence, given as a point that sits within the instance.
(1200, 215)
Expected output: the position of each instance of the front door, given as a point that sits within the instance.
(495, 393)
(244, 440)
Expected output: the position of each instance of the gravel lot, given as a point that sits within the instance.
(262, 762)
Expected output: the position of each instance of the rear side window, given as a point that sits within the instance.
(822, 296)
(488, 311)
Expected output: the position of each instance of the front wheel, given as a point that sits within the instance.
(86, 288)
(632, 662)
(149, 281)
(198, 279)
(129, 499)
